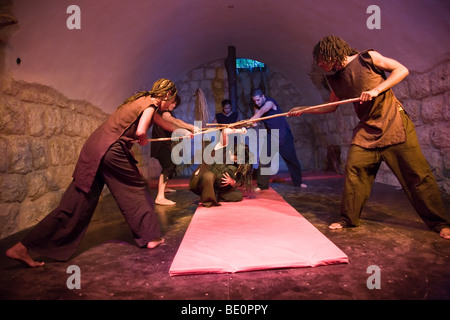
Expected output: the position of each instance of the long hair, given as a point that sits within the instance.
(244, 172)
(159, 90)
(333, 49)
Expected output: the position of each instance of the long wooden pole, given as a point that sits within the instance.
(185, 136)
(319, 106)
(242, 122)
(230, 67)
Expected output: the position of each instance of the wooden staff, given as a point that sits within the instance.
(242, 122)
(217, 124)
(187, 136)
(319, 106)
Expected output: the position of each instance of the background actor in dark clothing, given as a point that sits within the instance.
(104, 158)
(266, 106)
(384, 133)
(227, 115)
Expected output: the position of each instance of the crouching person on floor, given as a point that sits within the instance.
(219, 182)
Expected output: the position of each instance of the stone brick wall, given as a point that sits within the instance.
(426, 98)
(41, 135)
(212, 79)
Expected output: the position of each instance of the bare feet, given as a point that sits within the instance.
(445, 233)
(19, 252)
(155, 242)
(164, 202)
(335, 226)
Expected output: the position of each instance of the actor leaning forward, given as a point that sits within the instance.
(105, 158)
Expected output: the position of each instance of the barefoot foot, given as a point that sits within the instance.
(445, 233)
(335, 226)
(19, 252)
(155, 242)
(165, 202)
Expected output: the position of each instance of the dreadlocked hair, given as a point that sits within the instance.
(332, 48)
(244, 172)
(162, 87)
(159, 90)
(134, 97)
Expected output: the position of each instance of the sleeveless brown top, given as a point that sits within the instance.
(380, 120)
(121, 125)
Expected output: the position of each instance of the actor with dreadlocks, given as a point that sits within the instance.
(384, 133)
(104, 158)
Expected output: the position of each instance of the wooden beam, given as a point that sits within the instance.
(230, 66)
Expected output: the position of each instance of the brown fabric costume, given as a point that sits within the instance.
(380, 121)
(105, 158)
(384, 133)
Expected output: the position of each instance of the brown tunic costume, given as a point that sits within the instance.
(384, 133)
(380, 121)
(105, 158)
(100, 141)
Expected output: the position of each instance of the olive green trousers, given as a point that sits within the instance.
(410, 167)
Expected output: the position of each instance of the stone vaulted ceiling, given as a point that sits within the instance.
(123, 46)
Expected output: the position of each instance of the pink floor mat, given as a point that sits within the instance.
(255, 234)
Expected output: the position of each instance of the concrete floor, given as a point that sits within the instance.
(413, 261)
